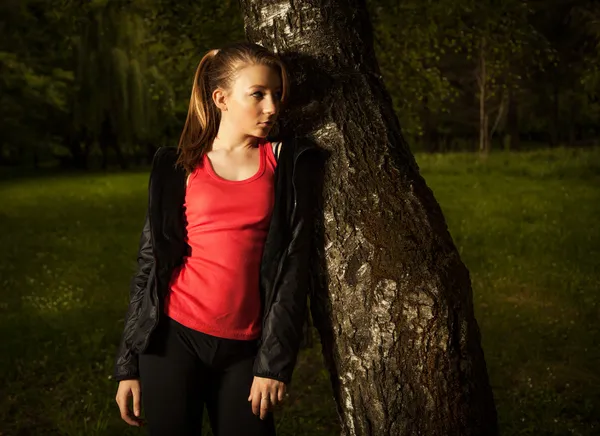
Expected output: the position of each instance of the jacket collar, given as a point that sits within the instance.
(301, 144)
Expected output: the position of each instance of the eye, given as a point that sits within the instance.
(260, 94)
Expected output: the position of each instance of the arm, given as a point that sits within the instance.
(277, 355)
(126, 362)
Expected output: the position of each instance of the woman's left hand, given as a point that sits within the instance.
(270, 388)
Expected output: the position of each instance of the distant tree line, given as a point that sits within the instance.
(100, 83)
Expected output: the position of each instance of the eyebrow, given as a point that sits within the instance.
(263, 87)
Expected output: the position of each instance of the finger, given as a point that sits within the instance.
(136, 402)
(251, 393)
(265, 404)
(256, 404)
(264, 408)
(125, 416)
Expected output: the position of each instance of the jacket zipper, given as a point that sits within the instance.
(294, 183)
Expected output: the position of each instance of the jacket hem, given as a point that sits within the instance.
(126, 376)
(273, 376)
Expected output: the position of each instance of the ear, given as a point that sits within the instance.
(219, 96)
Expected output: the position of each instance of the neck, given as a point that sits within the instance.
(230, 140)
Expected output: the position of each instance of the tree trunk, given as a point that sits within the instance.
(391, 298)
(104, 139)
(512, 120)
(486, 136)
(123, 162)
(431, 136)
(78, 155)
(483, 117)
(108, 138)
(554, 126)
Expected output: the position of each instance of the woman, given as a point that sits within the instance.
(219, 298)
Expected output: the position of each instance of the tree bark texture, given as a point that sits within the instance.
(391, 298)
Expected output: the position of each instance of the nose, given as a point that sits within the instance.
(271, 105)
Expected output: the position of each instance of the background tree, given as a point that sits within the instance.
(540, 80)
(120, 101)
(472, 53)
(33, 82)
(410, 41)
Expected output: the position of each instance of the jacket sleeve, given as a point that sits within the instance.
(283, 328)
(126, 362)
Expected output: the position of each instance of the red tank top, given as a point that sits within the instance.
(216, 289)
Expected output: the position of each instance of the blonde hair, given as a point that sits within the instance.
(218, 68)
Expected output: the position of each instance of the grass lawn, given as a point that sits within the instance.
(526, 225)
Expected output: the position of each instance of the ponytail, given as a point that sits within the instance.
(203, 117)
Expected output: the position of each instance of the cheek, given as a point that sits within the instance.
(253, 112)
(247, 113)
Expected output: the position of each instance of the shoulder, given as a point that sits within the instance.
(164, 167)
(164, 159)
(165, 154)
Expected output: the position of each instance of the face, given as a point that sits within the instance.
(253, 99)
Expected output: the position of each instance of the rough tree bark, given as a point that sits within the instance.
(392, 300)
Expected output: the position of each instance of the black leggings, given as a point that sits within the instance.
(182, 369)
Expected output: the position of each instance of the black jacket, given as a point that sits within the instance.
(284, 272)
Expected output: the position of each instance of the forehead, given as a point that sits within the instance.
(259, 76)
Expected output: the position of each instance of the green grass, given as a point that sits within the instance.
(525, 225)
(527, 228)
